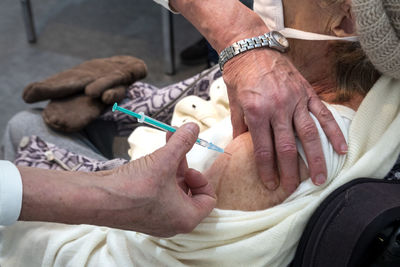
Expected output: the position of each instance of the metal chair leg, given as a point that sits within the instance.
(168, 41)
(28, 20)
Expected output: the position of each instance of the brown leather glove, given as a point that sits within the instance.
(73, 113)
(79, 95)
(92, 77)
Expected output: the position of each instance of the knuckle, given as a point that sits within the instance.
(313, 98)
(308, 131)
(253, 107)
(280, 104)
(317, 160)
(324, 115)
(281, 100)
(285, 145)
(263, 155)
(287, 148)
(254, 103)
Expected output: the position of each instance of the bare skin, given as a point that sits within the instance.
(236, 181)
(271, 98)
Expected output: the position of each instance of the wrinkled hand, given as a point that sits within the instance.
(166, 197)
(270, 98)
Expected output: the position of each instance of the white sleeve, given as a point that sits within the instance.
(10, 193)
(165, 3)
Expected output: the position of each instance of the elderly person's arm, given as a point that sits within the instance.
(268, 96)
(237, 183)
(146, 195)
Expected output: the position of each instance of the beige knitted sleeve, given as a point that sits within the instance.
(378, 25)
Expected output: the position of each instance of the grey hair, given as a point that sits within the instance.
(354, 71)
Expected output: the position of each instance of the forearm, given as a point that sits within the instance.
(221, 22)
(66, 197)
(142, 195)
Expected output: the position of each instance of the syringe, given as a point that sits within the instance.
(165, 127)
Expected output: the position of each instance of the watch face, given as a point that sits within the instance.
(280, 39)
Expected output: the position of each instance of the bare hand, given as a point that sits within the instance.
(270, 98)
(166, 196)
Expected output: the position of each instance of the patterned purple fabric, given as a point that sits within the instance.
(34, 152)
(159, 103)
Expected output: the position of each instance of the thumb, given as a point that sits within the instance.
(181, 142)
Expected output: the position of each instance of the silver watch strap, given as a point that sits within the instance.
(241, 46)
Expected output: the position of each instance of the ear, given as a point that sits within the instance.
(344, 24)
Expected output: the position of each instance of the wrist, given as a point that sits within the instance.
(273, 40)
(256, 62)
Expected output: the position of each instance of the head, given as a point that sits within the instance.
(338, 70)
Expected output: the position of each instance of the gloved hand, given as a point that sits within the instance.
(93, 77)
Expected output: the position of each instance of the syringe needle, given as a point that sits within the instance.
(228, 153)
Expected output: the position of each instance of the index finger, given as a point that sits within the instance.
(328, 124)
(309, 137)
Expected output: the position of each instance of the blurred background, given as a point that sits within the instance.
(69, 32)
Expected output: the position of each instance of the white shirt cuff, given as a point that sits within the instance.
(10, 193)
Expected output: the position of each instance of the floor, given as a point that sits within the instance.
(72, 31)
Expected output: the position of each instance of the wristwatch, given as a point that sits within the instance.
(273, 39)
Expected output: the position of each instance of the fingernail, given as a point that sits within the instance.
(320, 179)
(344, 148)
(272, 185)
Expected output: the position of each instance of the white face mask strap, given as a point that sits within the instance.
(302, 35)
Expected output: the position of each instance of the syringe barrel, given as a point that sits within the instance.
(160, 125)
(202, 142)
